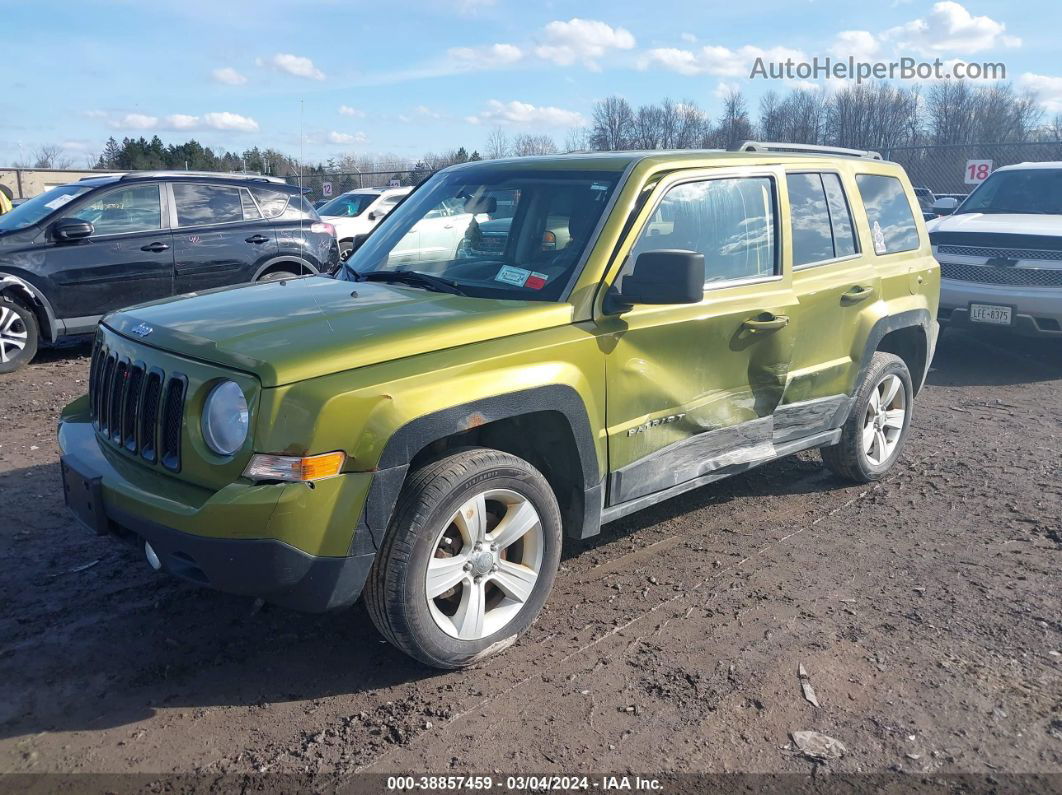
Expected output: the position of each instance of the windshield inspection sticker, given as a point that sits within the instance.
(59, 201)
(879, 239)
(517, 277)
(536, 281)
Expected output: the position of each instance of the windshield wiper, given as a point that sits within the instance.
(413, 279)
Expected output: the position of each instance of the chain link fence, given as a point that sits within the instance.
(325, 185)
(959, 168)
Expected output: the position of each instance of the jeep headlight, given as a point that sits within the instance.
(225, 418)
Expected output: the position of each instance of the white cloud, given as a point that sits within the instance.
(346, 138)
(229, 76)
(949, 27)
(689, 38)
(583, 40)
(297, 65)
(487, 57)
(715, 60)
(1047, 87)
(183, 122)
(354, 113)
(229, 121)
(135, 121)
(858, 44)
(524, 114)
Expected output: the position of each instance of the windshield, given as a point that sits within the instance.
(349, 204)
(1033, 190)
(40, 207)
(494, 231)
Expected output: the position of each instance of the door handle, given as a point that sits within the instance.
(156, 247)
(856, 294)
(770, 323)
(448, 226)
(258, 239)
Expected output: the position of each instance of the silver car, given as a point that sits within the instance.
(1000, 252)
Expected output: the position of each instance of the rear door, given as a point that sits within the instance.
(300, 235)
(692, 388)
(219, 236)
(127, 260)
(835, 283)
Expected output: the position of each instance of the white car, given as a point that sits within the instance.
(356, 212)
(1000, 252)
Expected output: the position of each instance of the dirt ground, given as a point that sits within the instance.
(926, 611)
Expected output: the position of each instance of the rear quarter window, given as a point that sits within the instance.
(892, 223)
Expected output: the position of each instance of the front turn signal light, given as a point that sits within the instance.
(295, 469)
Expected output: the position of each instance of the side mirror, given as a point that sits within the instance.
(356, 241)
(667, 276)
(945, 205)
(71, 229)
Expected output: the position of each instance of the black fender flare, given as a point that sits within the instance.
(278, 260)
(9, 283)
(912, 318)
(417, 434)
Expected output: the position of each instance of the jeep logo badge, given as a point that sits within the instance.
(142, 329)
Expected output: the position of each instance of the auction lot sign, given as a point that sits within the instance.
(977, 171)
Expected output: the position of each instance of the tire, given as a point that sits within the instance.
(868, 449)
(430, 524)
(345, 248)
(276, 276)
(19, 334)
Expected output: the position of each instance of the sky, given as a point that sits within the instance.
(336, 77)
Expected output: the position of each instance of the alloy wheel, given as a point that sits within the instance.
(485, 564)
(13, 334)
(884, 421)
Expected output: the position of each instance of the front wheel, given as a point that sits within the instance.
(19, 335)
(469, 559)
(874, 434)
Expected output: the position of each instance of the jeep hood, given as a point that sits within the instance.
(303, 328)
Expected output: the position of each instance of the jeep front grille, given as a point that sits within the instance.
(137, 409)
(993, 274)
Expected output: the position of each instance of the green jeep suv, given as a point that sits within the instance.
(426, 427)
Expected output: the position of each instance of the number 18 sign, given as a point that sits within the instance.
(977, 171)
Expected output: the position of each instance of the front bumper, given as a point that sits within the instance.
(244, 539)
(1037, 312)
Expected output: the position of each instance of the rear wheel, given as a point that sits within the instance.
(19, 334)
(469, 559)
(874, 433)
(346, 248)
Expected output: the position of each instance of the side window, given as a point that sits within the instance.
(272, 202)
(892, 224)
(250, 209)
(730, 221)
(206, 204)
(810, 218)
(821, 222)
(844, 239)
(298, 208)
(133, 209)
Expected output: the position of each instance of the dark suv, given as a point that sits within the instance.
(78, 251)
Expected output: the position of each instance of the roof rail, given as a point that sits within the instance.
(806, 149)
(210, 174)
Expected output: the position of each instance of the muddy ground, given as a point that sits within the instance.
(926, 610)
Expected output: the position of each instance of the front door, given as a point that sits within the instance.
(220, 236)
(691, 389)
(127, 260)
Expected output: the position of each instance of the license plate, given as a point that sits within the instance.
(84, 496)
(991, 313)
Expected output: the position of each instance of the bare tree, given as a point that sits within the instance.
(525, 145)
(648, 127)
(734, 125)
(498, 145)
(50, 156)
(949, 112)
(613, 124)
(577, 140)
